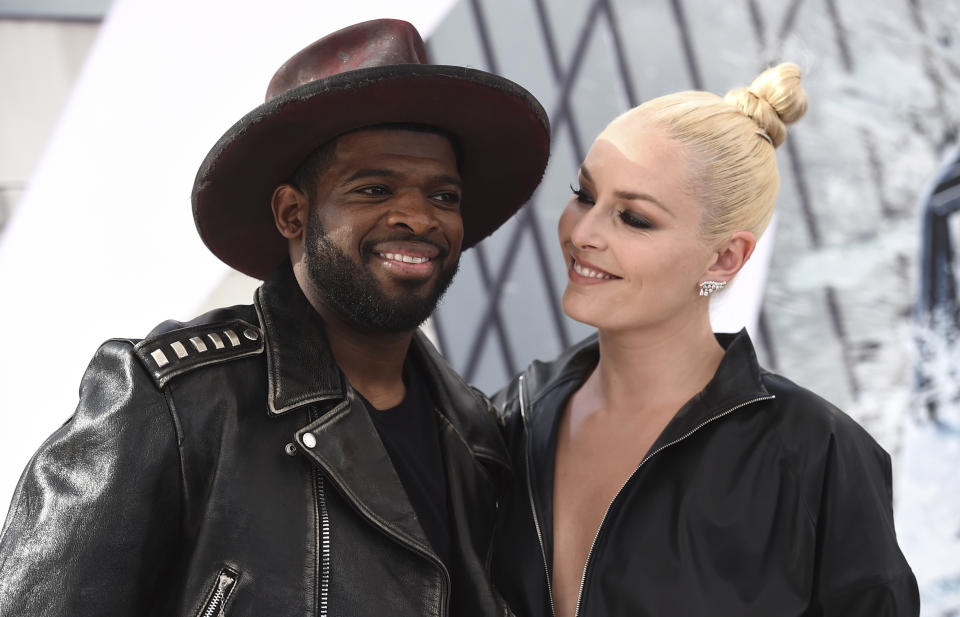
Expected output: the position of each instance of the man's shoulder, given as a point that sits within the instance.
(174, 347)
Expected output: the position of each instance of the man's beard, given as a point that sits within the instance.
(351, 288)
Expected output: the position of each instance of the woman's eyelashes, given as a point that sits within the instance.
(630, 219)
(582, 196)
(634, 220)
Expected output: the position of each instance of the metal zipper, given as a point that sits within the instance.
(417, 548)
(533, 509)
(226, 580)
(323, 530)
(324, 542)
(586, 566)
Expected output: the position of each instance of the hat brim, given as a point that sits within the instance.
(503, 134)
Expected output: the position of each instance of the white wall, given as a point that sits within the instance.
(103, 245)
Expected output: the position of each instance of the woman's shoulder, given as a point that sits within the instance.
(574, 361)
(798, 403)
(815, 428)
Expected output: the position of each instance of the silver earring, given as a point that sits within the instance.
(708, 287)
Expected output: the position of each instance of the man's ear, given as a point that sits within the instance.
(290, 211)
(731, 256)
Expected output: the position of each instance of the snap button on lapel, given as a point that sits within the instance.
(251, 334)
(309, 440)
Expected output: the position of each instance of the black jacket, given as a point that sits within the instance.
(760, 499)
(185, 484)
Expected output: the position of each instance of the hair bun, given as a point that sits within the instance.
(774, 100)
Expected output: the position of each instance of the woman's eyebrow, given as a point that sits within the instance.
(630, 195)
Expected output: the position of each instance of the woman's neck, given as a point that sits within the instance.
(655, 369)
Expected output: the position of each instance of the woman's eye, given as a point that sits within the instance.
(634, 220)
(583, 196)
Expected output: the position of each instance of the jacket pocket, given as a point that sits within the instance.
(219, 594)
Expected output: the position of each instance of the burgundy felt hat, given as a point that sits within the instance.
(370, 73)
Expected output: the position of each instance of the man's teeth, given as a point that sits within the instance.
(594, 274)
(407, 259)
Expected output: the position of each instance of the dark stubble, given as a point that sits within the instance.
(351, 288)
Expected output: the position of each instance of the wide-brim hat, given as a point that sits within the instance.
(367, 74)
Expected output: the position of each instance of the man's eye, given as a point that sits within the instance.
(375, 190)
(447, 197)
(634, 220)
(583, 196)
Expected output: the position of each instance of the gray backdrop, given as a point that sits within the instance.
(883, 81)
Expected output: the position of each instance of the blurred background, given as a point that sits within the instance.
(107, 109)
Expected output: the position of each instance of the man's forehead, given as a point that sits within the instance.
(388, 138)
(412, 148)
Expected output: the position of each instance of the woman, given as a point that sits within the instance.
(659, 470)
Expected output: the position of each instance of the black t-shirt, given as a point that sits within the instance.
(411, 434)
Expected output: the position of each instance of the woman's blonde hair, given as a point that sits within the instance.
(732, 141)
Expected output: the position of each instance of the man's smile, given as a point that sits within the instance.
(410, 260)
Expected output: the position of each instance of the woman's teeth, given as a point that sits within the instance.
(590, 273)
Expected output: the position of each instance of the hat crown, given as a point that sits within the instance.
(378, 42)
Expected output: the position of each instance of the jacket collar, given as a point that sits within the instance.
(469, 412)
(300, 366)
(737, 381)
(343, 441)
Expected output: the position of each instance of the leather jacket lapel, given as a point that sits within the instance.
(347, 447)
(461, 405)
(302, 371)
(344, 442)
(300, 367)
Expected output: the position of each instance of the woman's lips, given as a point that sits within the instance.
(581, 272)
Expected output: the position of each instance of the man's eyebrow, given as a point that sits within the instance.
(370, 173)
(389, 173)
(631, 195)
(446, 179)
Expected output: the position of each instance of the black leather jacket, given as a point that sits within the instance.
(760, 499)
(244, 476)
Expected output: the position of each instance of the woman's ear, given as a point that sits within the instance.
(290, 210)
(731, 256)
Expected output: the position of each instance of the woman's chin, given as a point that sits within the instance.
(584, 310)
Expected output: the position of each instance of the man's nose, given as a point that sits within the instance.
(412, 210)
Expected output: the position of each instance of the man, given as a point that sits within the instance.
(311, 454)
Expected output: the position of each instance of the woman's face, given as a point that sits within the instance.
(630, 234)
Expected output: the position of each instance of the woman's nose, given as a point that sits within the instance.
(588, 231)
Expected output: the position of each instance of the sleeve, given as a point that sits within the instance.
(95, 516)
(860, 570)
